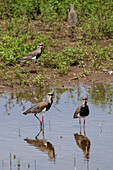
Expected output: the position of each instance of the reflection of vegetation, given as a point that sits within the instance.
(97, 94)
(100, 92)
(60, 91)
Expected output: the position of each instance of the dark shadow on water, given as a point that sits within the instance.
(43, 145)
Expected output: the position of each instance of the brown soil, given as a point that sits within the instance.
(69, 80)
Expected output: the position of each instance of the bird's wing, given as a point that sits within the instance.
(78, 109)
(43, 104)
(76, 112)
(34, 53)
(27, 57)
(38, 107)
(72, 18)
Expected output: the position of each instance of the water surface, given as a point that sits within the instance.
(60, 147)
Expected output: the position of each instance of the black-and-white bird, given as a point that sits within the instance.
(82, 111)
(41, 108)
(34, 55)
(72, 16)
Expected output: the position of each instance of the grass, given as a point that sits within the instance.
(25, 23)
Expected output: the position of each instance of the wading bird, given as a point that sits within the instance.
(41, 108)
(82, 111)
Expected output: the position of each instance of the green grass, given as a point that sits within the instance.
(26, 23)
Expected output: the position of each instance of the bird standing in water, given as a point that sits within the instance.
(82, 111)
(41, 108)
(34, 55)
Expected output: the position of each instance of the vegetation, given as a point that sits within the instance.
(23, 24)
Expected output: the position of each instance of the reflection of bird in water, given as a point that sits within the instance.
(82, 112)
(34, 55)
(41, 107)
(43, 145)
(83, 143)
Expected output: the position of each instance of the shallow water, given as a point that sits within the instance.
(60, 147)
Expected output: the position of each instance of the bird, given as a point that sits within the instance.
(72, 16)
(41, 108)
(82, 111)
(34, 55)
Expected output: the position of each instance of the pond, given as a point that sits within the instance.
(60, 145)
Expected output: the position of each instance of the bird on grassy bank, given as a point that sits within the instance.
(41, 108)
(82, 111)
(72, 16)
(34, 55)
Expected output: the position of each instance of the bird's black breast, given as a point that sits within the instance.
(38, 55)
(48, 107)
(84, 111)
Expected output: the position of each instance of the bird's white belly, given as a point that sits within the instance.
(78, 115)
(43, 110)
(34, 58)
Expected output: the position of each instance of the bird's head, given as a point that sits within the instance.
(71, 6)
(40, 45)
(50, 95)
(84, 100)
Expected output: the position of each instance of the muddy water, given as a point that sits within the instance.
(62, 146)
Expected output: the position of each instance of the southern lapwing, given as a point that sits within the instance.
(72, 16)
(34, 55)
(82, 111)
(41, 108)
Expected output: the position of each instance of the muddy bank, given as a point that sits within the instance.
(74, 76)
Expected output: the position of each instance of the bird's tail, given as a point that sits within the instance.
(25, 113)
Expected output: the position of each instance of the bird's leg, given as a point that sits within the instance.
(43, 120)
(84, 123)
(43, 125)
(34, 64)
(84, 128)
(38, 119)
(80, 125)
